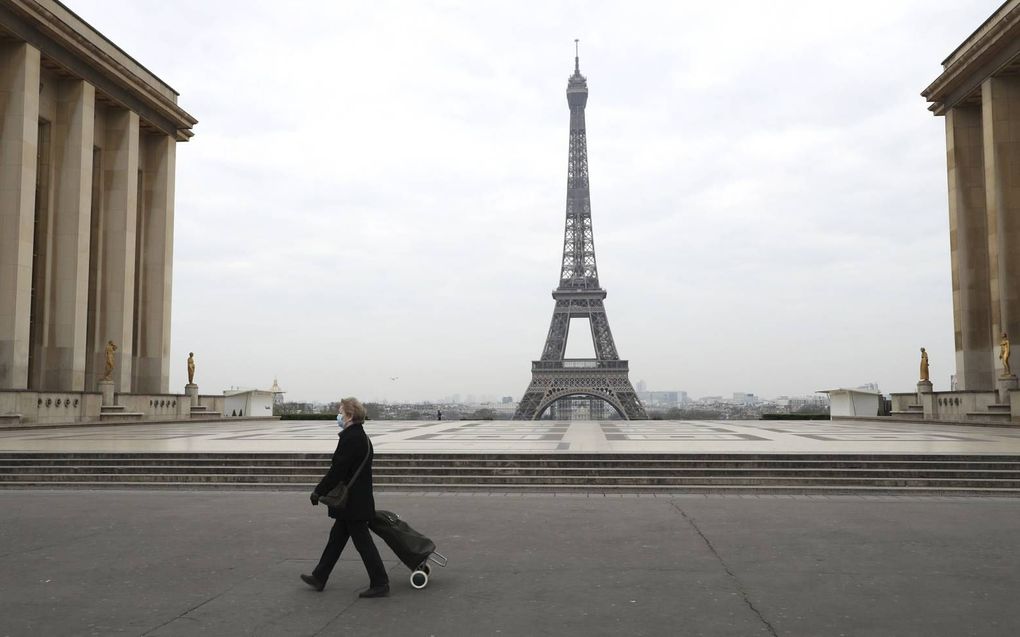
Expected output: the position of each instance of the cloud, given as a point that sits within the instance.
(377, 190)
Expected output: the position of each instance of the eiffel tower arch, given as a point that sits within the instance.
(579, 295)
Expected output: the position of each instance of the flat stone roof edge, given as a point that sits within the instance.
(75, 21)
(991, 46)
(75, 45)
(985, 26)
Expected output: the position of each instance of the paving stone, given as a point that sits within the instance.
(226, 563)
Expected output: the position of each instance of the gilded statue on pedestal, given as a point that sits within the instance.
(191, 368)
(1004, 355)
(110, 349)
(924, 365)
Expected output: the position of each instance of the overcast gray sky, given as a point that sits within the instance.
(376, 189)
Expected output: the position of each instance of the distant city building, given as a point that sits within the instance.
(642, 387)
(742, 398)
(797, 403)
(662, 398)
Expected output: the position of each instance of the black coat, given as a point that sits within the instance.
(350, 452)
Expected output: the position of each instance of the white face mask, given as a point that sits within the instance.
(340, 420)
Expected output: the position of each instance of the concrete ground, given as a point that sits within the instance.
(571, 436)
(227, 563)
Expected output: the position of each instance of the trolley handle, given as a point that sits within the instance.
(437, 558)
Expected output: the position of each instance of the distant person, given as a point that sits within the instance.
(352, 520)
(439, 414)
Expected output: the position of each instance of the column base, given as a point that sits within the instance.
(924, 387)
(191, 390)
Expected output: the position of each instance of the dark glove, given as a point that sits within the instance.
(314, 498)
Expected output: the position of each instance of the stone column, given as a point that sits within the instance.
(19, 133)
(1000, 102)
(64, 347)
(116, 295)
(968, 239)
(152, 360)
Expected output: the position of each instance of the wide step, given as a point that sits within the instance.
(615, 473)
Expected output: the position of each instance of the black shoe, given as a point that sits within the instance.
(376, 591)
(313, 581)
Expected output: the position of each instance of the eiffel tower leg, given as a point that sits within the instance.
(527, 409)
(555, 344)
(633, 409)
(559, 327)
(605, 348)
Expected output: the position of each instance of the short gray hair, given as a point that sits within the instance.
(353, 408)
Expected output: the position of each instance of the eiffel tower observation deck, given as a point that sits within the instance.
(604, 378)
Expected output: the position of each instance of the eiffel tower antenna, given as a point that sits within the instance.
(604, 378)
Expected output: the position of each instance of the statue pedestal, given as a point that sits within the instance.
(191, 390)
(924, 387)
(1004, 384)
(106, 389)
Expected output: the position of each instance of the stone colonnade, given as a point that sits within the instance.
(979, 95)
(86, 232)
(983, 152)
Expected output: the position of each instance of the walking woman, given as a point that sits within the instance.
(352, 520)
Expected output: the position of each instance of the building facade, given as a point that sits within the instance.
(87, 160)
(978, 93)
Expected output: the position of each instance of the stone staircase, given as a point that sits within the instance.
(912, 411)
(995, 412)
(606, 473)
(202, 411)
(118, 413)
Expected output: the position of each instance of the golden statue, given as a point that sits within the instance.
(1004, 355)
(924, 365)
(191, 368)
(110, 349)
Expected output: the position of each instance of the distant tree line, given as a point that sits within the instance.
(379, 411)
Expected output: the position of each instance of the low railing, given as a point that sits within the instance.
(578, 363)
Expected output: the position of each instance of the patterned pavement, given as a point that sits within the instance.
(658, 436)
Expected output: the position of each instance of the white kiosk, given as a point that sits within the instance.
(853, 402)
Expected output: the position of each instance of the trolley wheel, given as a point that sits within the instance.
(419, 579)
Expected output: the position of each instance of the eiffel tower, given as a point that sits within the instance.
(579, 295)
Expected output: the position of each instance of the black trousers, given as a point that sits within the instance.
(358, 531)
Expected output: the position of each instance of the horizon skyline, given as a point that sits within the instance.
(464, 398)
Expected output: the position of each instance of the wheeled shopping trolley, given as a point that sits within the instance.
(411, 547)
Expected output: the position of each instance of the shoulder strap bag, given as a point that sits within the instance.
(337, 496)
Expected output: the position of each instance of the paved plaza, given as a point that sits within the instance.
(227, 563)
(649, 436)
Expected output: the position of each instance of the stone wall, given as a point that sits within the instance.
(27, 408)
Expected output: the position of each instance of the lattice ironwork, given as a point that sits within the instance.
(579, 296)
